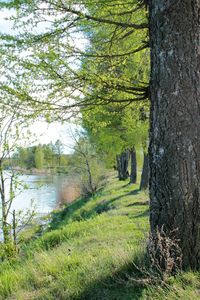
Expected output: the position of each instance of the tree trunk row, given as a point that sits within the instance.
(144, 183)
(122, 168)
(122, 165)
(133, 175)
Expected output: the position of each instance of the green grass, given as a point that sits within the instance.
(89, 252)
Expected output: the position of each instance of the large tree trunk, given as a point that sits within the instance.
(122, 165)
(144, 183)
(175, 123)
(133, 175)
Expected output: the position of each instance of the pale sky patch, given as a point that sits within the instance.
(5, 24)
(46, 133)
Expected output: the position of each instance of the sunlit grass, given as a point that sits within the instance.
(89, 252)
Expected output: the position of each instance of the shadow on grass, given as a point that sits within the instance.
(134, 192)
(118, 286)
(62, 217)
(138, 203)
(65, 213)
(143, 214)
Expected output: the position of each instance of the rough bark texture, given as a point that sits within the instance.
(175, 122)
(122, 165)
(144, 183)
(133, 175)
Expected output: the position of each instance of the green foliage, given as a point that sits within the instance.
(108, 71)
(110, 63)
(24, 157)
(118, 79)
(114, 131)
(8, 251)
(39, 157)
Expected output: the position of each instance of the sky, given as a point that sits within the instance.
(44, 133)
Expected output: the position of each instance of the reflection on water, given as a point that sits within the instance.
(43, 190)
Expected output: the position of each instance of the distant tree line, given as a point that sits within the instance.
(47, 156)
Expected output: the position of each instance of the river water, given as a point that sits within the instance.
(42, 190)
(43, 193)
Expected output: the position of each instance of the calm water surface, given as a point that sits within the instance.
(43, 191)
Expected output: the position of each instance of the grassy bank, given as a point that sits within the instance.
(90, 252)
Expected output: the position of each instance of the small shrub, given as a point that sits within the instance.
(8, 251)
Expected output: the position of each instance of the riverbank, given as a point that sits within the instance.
(34, 171)
(93, 249)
